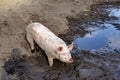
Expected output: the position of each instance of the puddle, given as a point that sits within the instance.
(102, 34)
(101, 38)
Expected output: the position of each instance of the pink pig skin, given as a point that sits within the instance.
(54, 47)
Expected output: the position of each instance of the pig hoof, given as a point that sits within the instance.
(32, 51)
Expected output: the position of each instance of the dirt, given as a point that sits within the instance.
(15, 15)
(86, 66)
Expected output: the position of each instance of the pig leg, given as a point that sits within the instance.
(50, 60)
(31, 41)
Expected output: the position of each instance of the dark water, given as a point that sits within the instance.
(102, 34)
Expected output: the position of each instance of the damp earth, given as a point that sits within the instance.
(96, 51)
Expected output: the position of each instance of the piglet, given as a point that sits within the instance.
(54, 47)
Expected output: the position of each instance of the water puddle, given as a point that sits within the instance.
(101, 34)
(97, 39)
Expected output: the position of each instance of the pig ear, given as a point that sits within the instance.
(70, 47)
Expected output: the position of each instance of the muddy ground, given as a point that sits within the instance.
(57, 15)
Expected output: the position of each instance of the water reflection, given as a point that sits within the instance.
(115, 40)
(108, 36)
(114, 12)
(104, 35)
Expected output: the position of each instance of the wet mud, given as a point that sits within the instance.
(88, 65)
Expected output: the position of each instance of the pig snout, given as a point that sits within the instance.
(70, 60)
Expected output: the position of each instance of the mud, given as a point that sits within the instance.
(88, 65)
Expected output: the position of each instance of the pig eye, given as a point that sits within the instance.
(60, 48)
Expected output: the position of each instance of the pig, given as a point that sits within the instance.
(54, 47)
